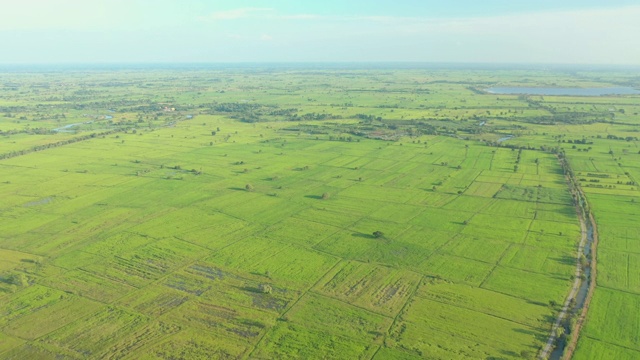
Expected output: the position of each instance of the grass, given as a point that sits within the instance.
(378, 288)
(147, 243)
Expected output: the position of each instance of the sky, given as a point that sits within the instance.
(211, 31)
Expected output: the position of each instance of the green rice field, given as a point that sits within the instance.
(311, 214)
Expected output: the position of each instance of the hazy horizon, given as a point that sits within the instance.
(197, 31)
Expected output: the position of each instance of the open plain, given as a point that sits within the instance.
(274, 212)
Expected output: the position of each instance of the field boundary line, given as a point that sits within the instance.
(620, 290)
(350, 304)
(395, 319)
(477, 311)
(281, 317)
(614, 344)
(437, 251)
(628, 270)
(311, 287)
(495, 266)
(535, 216)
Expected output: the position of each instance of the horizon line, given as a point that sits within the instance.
(315, 63)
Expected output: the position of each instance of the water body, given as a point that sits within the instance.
(66, 128)
(596, 91)
(583, 290)
(505, 138)
(581, 297)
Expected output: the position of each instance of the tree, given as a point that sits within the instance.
(20, 280)
(248, 187)
(525, 354)
(378, 234)
(325, 196)
(560, 334)
(265, 288)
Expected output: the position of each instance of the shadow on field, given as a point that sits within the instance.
(316, 197)
(548, 319)
(237, 188)
(559, 277)
(364, 236)
(250, 289)
(524, 331)
(537, 303)
(565, 260)
(260, 274)
(509, 354)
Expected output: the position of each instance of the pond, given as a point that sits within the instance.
(594, 91)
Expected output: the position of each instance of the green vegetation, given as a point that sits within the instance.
(288, 213)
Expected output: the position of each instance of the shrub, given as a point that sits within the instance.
(265, 288)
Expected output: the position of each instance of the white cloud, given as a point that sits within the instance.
(36, 15)
(581, 36)
(604, 35)
(602, 20)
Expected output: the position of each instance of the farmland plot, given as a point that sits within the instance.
(291, 230)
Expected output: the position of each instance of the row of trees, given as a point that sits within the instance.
(54, 144)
